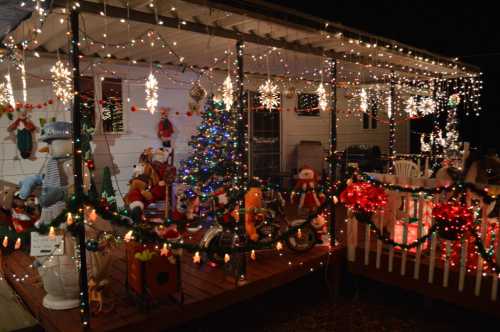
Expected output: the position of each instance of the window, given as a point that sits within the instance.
(88, 100)
(307, 104)
(112, 105)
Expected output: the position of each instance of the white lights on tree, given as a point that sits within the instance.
(62, 82)
(322, 100)
(227, 93)
(363, 100)
(269, 97)
(151, 93)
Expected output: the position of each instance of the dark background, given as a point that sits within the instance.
(469, 31)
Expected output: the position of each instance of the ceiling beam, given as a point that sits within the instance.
(172, 22)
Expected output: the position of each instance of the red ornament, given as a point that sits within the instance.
(39, 106)
(453, 220)
(363, 197)
(133, 109)
(101, 101)
(189, 113)
(50, 101)
(176, 113)
(90, 164)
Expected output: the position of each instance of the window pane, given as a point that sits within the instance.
(112, 107)
(87, 96)
(307, 104)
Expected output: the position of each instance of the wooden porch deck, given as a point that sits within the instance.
(206, 290)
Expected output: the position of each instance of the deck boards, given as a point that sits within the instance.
(206, 289)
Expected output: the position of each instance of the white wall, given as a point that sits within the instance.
(140, 127)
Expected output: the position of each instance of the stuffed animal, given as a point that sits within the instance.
(253, 201)
(24, 135)
(165, 128)
(138, 196)
(308, 197)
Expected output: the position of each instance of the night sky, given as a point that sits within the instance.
(468, 31)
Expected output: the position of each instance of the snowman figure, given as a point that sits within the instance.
(59, 273)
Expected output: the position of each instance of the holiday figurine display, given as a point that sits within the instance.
(165, 127)
(138, 196)
(24, 134)
(306, 190)
(253, 202)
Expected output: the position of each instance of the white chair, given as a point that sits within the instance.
(406, 168)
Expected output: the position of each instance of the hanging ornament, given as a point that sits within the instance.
(62, 82)
(269, 97)
(427, 106)
(227, 93)
(454, 100)
(290, 92)
(322, 100)
(151, 93)
(363, 100)
(411, 107)
(197, 92)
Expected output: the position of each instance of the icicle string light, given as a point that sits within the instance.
(227, 92)
(322, 97)
(62, 82)
(151, 93)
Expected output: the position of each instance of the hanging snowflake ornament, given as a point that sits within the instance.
(427, 106)
(268, 95)
(363, 100)
(322, 100)
(151, 93)
(411, 107)
(62, 82)
(227, 93)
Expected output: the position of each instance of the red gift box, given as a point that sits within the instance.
(412, 234)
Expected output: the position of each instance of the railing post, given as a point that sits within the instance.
(77, 168)
(332, 157)
(392, 125)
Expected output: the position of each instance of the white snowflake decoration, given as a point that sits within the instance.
(322, 100)
(62, 82)
(427, 106)
(227, 93)
(269, 97)
(411, 107)
(363, 100)
(151, 93)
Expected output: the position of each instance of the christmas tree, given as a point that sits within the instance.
(213, 163)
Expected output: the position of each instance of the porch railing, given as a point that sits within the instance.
(436, 261)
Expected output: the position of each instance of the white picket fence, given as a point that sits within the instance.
(437, 251)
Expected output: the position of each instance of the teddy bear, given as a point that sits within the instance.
(305, 189)
(138, 196)
(253, 201)
(165, 128)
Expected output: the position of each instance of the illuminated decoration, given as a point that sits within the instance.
(129, 236)
(389, 106)
(424, 145)
(197, 258)
(252, 255)
(411, 230)
(363, 197)
(23, 81)
(279, 246)
(227, 93)
(452, 219)
(427, 106)
(17, 245)
(454, 100)
(62, 82)
(227, 258)
(10, 91)
(5, 242)
(69, 219)
(322, 100)
(452, 145)
(52, 233)
(411, 107)
(164, 250)
(363, 100)
(213, 162)
(197, 92)
(4, 95)
(268, 95)
(151, 93)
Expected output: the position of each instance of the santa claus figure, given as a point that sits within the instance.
(305, 191)
(165, 128)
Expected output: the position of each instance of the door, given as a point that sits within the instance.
(265, 139)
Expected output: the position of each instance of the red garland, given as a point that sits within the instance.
(363, 197)
(453, 219)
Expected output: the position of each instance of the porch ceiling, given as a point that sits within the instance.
(199, 34)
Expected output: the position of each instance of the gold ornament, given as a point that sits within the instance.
(269, 97)
(197, 92)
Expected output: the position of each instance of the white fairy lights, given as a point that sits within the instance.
(363, 100)
(322, 98)
(151, 93)
(227, 93)
(268, 95)
(62, 82)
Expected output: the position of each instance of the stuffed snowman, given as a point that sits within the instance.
(59, 274)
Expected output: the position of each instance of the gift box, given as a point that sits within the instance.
(157, 278)
(412, 234)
